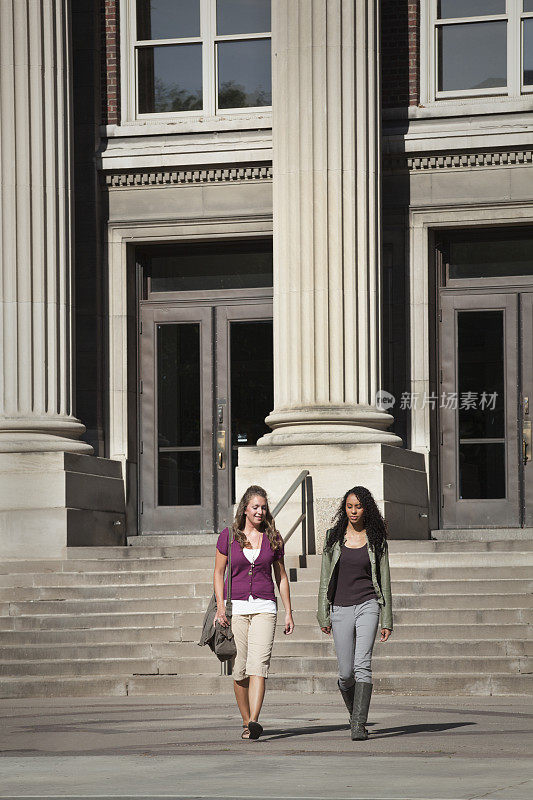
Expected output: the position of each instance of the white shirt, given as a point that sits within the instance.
(254, 605)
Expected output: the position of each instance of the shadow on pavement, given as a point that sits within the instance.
(382, 733)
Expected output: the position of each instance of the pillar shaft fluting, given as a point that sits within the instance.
(36, 350)
(326, 158)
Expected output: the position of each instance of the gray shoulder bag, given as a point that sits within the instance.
(220, 638)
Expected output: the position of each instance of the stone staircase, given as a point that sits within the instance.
(125, 620)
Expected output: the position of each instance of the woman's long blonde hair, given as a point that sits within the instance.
(268, 526)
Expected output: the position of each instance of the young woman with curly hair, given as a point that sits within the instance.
(354, 588)
(256, 550)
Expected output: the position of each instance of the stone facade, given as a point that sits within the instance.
(352, 173)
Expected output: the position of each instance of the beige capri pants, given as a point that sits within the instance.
(254, 637)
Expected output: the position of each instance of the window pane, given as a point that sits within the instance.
(168, 19)
(244, 74)
(481, 471)
(243, 16)
(472, 56)
(178, 385)
(179, 479)
(170, 78)
(481, 399)
(480, 357)
(252, 384)
(450, 9)
(528, 5)
(491, 258)
(178, 414)
(228, 265)
(528, 51)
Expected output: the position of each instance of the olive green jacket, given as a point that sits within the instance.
(328, 584)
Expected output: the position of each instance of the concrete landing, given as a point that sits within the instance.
(421, 748)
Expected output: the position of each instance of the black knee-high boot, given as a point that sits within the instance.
(361, 703)
(347, 696)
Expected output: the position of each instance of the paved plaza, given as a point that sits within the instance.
(441, 748)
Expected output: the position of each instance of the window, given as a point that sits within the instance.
(199, 57)
(480, 48)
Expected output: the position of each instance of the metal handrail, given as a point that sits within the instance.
(306, 517)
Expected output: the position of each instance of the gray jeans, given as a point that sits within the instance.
(354, 631)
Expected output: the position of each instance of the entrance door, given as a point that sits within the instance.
(479, 405)
(206, 388)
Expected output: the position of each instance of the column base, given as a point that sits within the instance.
(49, 501)
(42, 435)
(396, 477)
(325, 425)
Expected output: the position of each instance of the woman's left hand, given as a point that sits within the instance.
(385, 633)
(289, 623)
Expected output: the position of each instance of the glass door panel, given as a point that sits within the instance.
(481, 406)
(478, 410)
(176, 420)
(244, 389)
(179, 392)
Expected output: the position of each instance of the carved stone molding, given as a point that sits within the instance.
(457, 161)
(170, 177)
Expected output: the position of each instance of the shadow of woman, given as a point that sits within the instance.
(382, 733)
(407, 730)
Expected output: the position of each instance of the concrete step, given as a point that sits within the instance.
(116, 564)
(420, 576)
(312, 633)
(172, 539)
(154, 633)
(72, 622)
(130, 591)
(132, 578)
(301, 602)
(113, 666)
(167, 685)
(154, 613)
(289, 647)
(108, 606)
(207, 664)
(401, 559)
(491, 592)
(482, 534)
(384, 665)
(145, 551)
(419, 573)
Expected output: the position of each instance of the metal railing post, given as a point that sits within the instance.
(304, 515)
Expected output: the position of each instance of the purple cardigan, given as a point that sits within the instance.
(260, 583)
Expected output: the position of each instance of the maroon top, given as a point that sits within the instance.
(259, 583)
(354, 580)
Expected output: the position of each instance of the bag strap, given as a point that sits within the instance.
(228, 594)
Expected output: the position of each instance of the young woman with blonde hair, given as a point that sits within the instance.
(256, 550)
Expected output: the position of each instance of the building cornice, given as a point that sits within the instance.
(169, 177)
(457, 161)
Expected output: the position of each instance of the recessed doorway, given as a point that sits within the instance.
(206, 377)
(485, 398)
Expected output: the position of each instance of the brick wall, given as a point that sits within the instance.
(110, 62)
(400, 39)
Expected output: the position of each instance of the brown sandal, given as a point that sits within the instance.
(246, 732)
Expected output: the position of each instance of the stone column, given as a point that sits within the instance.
(326, 160)
(53, 493)
(36, 351)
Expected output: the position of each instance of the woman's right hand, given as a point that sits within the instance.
(221, 618)
(327, 629)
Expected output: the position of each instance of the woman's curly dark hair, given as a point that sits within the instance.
(376, 527)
